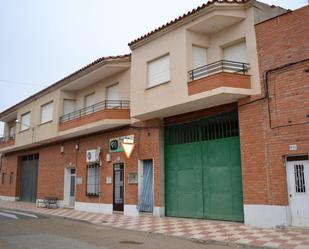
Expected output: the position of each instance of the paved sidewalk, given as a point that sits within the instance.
(204, 230)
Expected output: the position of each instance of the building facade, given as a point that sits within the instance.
(214, 109)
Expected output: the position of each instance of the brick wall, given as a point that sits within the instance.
(52, 164)
(9, 166)
(268, 126)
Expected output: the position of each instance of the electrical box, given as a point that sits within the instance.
(92, 156)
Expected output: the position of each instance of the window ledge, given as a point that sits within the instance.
(47, 122)
(163, 83)
(22, 131)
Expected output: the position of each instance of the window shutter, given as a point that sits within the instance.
(199, 57)
(89, 100)
(68, 106)
(47, 112)
(159, 71)
(25, 121)
(112, 92)
(236, 52)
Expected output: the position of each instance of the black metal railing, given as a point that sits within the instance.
(218, 66)
(7, 138)
(106, 104)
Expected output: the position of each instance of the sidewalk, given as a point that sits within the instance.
(203, 230)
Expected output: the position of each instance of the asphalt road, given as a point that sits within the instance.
(29, 231)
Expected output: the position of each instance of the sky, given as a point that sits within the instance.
(41, 42)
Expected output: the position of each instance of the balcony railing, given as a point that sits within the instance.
(7, 138)
(217, 67)
(107, 104)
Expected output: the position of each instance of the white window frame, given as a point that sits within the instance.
(153, 80)
(194, 50)
(23, 125)
(87, 96)
(232, 52)
(93, 180)
(49, 117)
(68, 100)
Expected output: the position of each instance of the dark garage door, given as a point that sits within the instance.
(203, 169)
(29, 174)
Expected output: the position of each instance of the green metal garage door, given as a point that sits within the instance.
(203, 169)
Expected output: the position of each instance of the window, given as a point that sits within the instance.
(89, 100)
(236, 52)
(3, 178)
(11, 177)
(25, 121)
(12, 132)
(68, 106)
(46, 112)
(159, 71)
(112, 92)
(199, 57)
(93, 180)
(299, 175)
(112, 96)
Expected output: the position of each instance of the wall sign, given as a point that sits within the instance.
(115, 143)
(79, 180)
(132, 178)
(109, 180)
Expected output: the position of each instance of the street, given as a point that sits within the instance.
(24, 230)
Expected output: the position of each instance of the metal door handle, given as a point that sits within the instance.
(290, 195)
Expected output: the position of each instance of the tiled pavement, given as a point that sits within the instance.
(203, 230)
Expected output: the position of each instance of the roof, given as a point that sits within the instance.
(190, 13)
(67, 79)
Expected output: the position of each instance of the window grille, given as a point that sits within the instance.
(299, 178)
(93, 180)
(214, 127)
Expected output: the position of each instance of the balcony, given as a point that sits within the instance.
(7, 141)
(222, 73)
(100, 112)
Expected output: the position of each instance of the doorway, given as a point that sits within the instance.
(69, 186)
(146, 186)
(29, 175)
(118, 193)
(298, 188)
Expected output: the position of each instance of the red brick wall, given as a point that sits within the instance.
(8, 165)
(8, 143)
(52, 164)
(219, 80)
(265, 143)
(96, 116)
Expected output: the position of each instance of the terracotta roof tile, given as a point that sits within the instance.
(185, 16)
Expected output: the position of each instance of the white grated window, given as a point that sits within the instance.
(299, 178)
(159, 71)
(47, 112)
(93, 180)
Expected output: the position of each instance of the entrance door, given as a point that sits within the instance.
(29, 173)
(203, 176)
(118, 187)
(72, 188)
(146, 193)
(298, 187)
